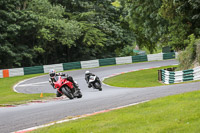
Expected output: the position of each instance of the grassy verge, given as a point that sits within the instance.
(143, 78)
(9, 97)
(179, 113)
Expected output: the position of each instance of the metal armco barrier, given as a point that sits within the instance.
(168, 56)
(16, 72)
(152, 57)
(88, 64)
(106, 62)
(1, 74)
(139, 58)
(56, 67)
(33, 70)
(5, 73)
(72, 65)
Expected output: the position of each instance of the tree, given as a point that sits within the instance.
(183, 17)
(53, 31)
(39, 32)
(100, 22)
(13, 22)
(145, 21)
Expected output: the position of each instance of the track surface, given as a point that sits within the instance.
(26, 116)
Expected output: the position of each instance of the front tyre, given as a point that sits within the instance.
(67, 92)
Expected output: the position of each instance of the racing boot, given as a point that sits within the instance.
(89, 85)
(76, 91)
(58, 94)
(75, 85)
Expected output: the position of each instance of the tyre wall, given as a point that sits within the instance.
(169, 77)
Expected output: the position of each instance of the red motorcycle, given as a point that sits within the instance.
(67, 88)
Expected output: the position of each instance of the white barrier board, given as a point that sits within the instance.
(16, 72)
(56, 67)
(152, 57)
(123, 60)
(90, 64)
(1, 74)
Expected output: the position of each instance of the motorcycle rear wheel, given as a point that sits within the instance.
(98, 86)
(67, 92)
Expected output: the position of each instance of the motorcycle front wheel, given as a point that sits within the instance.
(67, 92)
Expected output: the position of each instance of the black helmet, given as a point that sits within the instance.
(52, 73)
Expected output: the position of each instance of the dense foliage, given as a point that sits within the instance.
(190, 57)
(163, 22)
(41, 32)
(38, 32)
(166, 22)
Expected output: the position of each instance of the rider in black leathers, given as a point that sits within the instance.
(87, 76)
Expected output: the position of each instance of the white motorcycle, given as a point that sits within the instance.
(95, 82)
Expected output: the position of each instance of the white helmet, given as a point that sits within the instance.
(87, 72)
(52, 73)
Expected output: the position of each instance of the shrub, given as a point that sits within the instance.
(190, 57)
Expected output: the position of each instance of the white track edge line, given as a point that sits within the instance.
(75, 118)
(14, 88)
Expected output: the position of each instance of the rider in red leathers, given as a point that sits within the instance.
(54, 77)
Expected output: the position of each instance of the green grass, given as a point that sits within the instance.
(9, 97)
(172, 114)
(142, 78)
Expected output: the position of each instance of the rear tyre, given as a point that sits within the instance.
(98, 86)
(67, 92)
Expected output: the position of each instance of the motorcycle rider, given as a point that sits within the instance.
(54, 77)
(87, 76)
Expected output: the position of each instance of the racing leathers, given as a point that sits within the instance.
(55, 79)
(87, 77)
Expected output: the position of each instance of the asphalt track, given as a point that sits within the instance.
(26, 116)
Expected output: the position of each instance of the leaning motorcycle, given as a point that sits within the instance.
(95, 82)
(67, 88)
